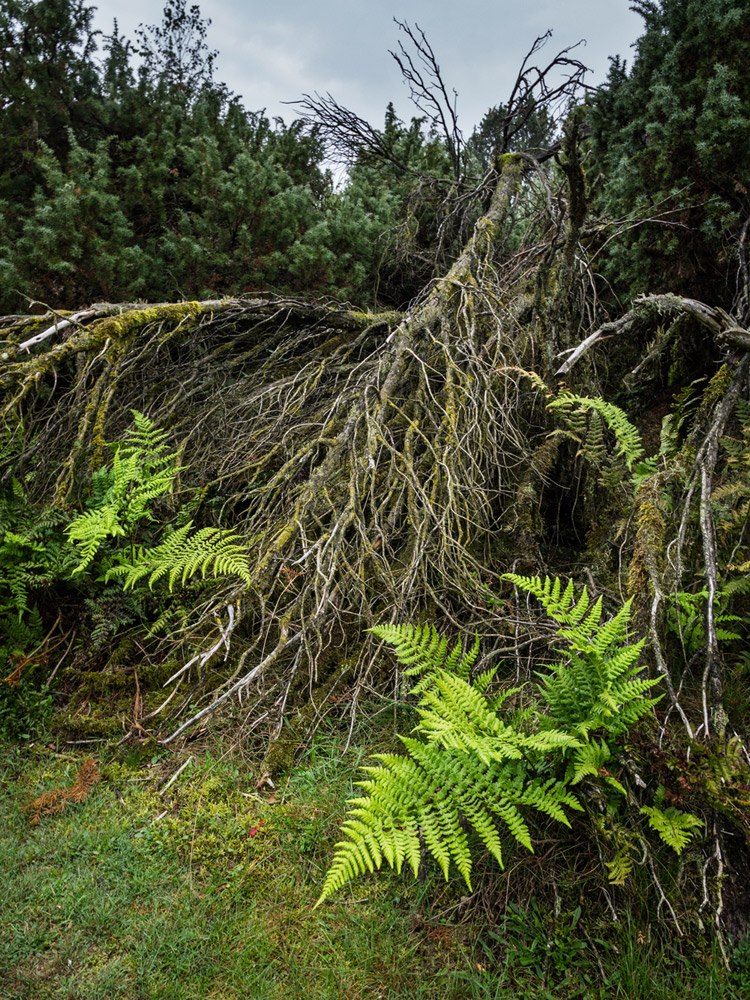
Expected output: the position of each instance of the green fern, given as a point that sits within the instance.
(686, 617)
(421, 648)
(148, 442)
(575, 410)
(468, 766)
(676, 828)
(181, 555)
(619, 867)
(423, 798)
(471, 765)
(599, 684)
(32, 551)
(142, 470)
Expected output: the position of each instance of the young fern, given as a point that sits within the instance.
(675, 827)
(470, 767)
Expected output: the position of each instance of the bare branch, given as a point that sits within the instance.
(723, 326)
(534, 92)
(428, 91)
(346, 135)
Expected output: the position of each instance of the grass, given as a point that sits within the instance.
(205, 892)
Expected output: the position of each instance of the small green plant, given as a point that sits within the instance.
(576, 412)
(34, 555)
(480, 764)
(113, 546)
(686, 620)
(536, 940)
(674, 826)
(143, 470)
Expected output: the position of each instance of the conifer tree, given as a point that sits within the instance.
(672, 144)
(48, 85)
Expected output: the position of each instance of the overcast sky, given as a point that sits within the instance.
(271, 52)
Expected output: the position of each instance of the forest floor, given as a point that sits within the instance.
(203, 887)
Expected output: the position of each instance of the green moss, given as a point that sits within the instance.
(127, 324)
(648, 552)
(337, 669)
(104, 681)
(367, 319)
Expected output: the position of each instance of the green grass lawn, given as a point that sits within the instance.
(206, 890)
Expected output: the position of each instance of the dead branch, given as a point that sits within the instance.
(429, 93)
(724, 327)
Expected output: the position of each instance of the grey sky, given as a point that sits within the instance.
(270, 52)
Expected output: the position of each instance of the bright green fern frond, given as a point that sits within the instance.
(582, 606)
(147, 442)
(549, 797)
(561, 608)
(600, 684)
(588, 759)
(580, 631)
(136, 503)
(461, 663)
(620, 867)
(419, 647)
(676, 828)
(615, 630)
(621, 662)
(470, 765)
(482, 821)
(90, 530)
(482, 681)
(181, 555)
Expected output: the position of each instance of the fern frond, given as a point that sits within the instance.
(90, 530)
(147, 442)
(676, 828)
(181, 555)
(472, 766)
(562, 608)
(571, 406)
(619, 867)
(615, 630)
(588, 759)
(459, 662)
(419, 647)
(549, 797)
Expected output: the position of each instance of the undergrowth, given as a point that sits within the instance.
(204, 888)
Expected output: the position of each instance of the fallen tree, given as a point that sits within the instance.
(387, 468)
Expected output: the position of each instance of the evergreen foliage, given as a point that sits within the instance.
(672, 148)
(157, 184)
